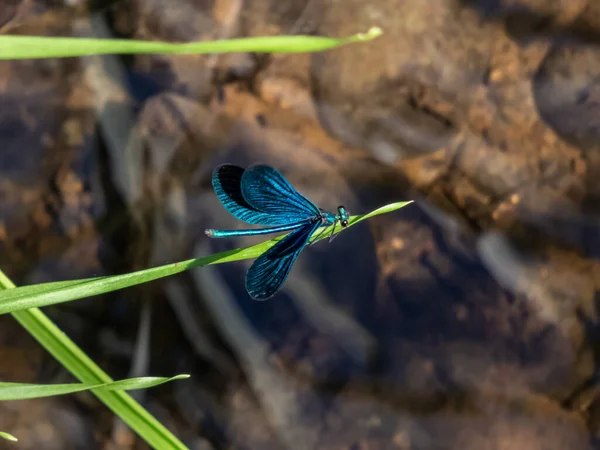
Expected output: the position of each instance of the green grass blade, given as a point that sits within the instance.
(60, 292)
(27, 297)
(7, 436)
(81, 366)
(28, 47)
(357, 219)
(23, 391)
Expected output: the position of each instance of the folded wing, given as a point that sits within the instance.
(227, 183)
(266, 190)
(269, 271)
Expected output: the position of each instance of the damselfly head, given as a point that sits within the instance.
(343, 216)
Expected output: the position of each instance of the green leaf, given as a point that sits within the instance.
(28, 47)
(7, 436)
(65, 291)
(79, 364)
(23, 391)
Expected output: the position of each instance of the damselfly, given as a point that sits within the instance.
(260, 195)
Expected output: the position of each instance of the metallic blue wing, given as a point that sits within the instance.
(266, 190)
(227, 181)
(269, 271)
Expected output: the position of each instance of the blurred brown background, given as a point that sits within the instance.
(466, 321)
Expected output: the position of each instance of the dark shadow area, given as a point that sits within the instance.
(525, 24)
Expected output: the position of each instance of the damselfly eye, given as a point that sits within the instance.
(344, 223)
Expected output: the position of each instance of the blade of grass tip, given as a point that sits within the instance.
(7, 436)
(82, 367)
(29, 297)
(133, 384)
(25, 391)
(357, 219)
(29, 47)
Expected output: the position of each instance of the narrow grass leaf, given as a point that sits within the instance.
(59, 292)
(30, 47)
(72, 358)
(23, 391)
